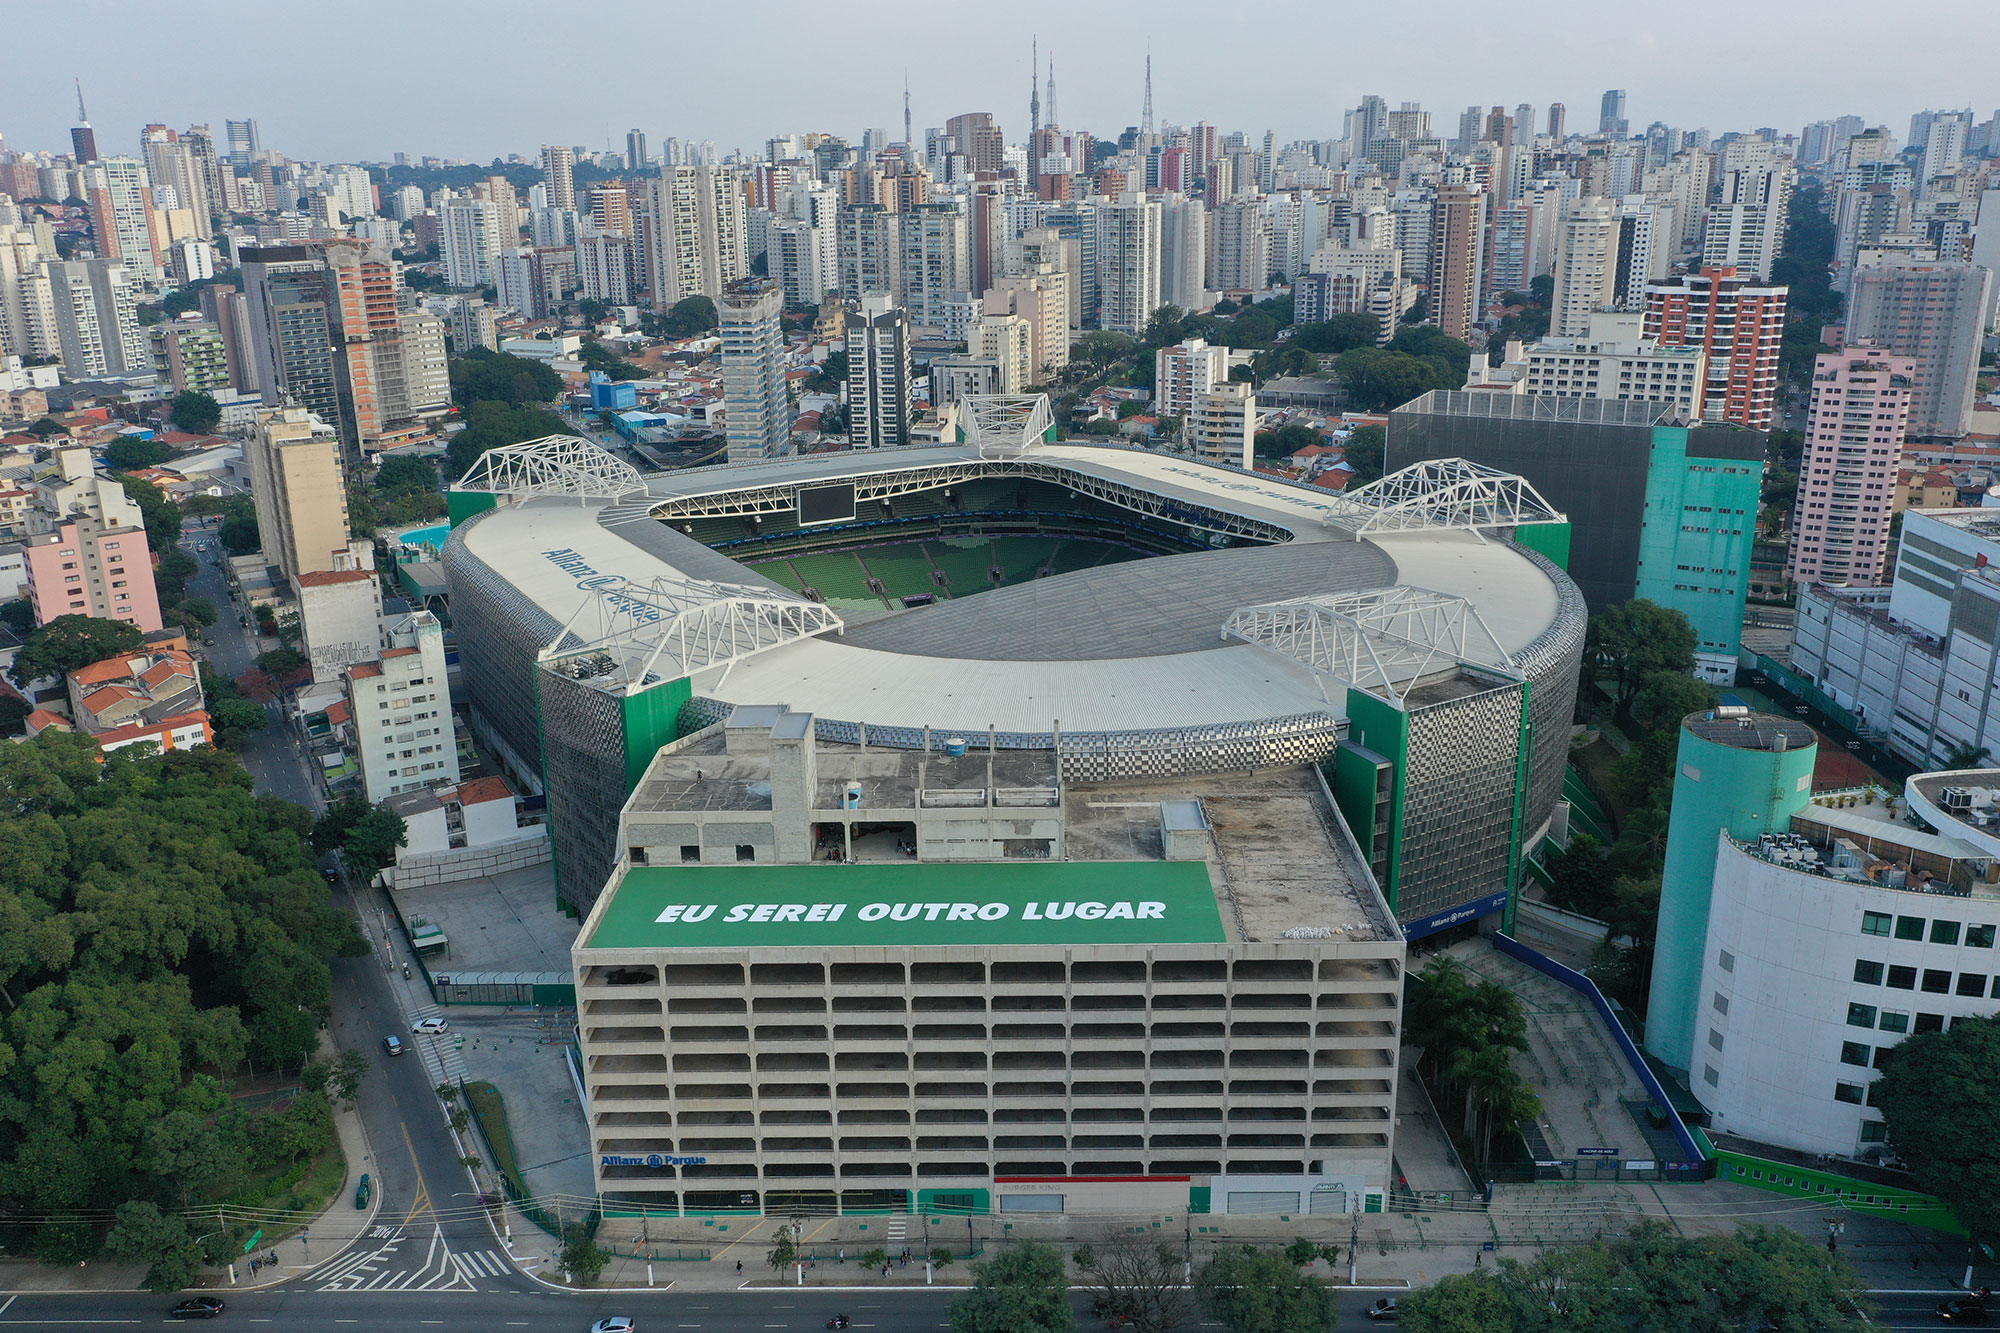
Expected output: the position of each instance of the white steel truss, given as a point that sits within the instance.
(552, 465)
(1003, 425)
(1383, 641)
(783, 497)
(637, 633)
(1443, 493)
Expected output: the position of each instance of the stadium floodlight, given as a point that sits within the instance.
(631, 634)
(1002, 425)
(1450, 493)
(552, 465)
(1383, 641)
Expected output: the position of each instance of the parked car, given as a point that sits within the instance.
(1961, 1310)
(1383, 1309)
(392, 1045)
(362, 1189)
(618, 1323)
(429, 1027)
(198, 1307)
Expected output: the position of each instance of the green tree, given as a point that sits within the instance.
(1163, 327)
(366, 834)
(143, 1235)
(196, 612)
(832, 373)
(18, 615)
(690, 316)
(70, 642)
(349, 1068)
(1100, 351)
(1481, 1302)
(1937, 1098)
(44, 427)
(1342, 333)
(483, 375)
(161, 515)
(1363, 453)
(404, 472)
(1635, 639)
(595, 356)
(1378, 380)
(233, 716)
(238, 529)
(1252, 1290)
(1286, 440)
(493, 423)
(130, 453)
(784, 1253)
(582, 1257)
(196, 412)
(1023, 1289)
(1665, 697)
(281, 661)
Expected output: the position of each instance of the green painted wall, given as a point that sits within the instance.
(1549, 539)
(1694, 548)
(1716, 787)
(461, 505)
(1385, 730)
(1861, 1196)
(652, 719)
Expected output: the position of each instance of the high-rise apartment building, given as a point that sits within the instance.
(754, 395)
(121, 215)
(1857, 424)
(1557, 115)
(935, 261)
(1222, 427)
(1586, 269)
(197, 358)
(802, 258)
(1042, 299)
(1183, 373)
(472, 240)
(1457, 257)
(97, 318)
(299, 487)
(1746, 228)
(1241, 247)
(1740, 323)
(980, 140)
(291, 324)
(698, 241)
(1128, 263)
(1184, 254)
(1935, 314)
(878, 374)
(27, 301)
(402, 711)
(635, 150)
(1006, 342)
(868, 251)
(392, 363)
(559, 174)
(85, 566)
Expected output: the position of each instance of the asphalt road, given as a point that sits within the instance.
(1908, 1312)
(306, 1311)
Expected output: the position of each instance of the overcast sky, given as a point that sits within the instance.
(364, 79)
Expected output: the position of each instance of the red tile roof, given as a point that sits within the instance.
(322, 578)
(480, 790)
(363, 670)
(398, 652)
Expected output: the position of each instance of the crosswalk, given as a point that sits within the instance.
(441, 1053)
(397, 1263)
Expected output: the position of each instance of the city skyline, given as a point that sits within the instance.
(1100, 64)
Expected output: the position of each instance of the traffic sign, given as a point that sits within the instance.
(251, 1244)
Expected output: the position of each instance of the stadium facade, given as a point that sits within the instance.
(1011, 824)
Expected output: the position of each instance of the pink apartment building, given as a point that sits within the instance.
(1858, 420)
(85, 568)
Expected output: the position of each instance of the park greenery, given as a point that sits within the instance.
(130, 453)
(1936, 1096)
(690, 316)
(367, 835)
(596, 356)
(69, 643)
(1653, 1278)
(164, 929)
(1468, 1031)
(503, 400)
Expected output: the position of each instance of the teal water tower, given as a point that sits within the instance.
(1739, 771)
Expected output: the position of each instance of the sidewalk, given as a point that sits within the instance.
(338, 1226)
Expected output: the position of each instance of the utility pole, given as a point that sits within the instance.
(1187, 1249)
(1354, 1251)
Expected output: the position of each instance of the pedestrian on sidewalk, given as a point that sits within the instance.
(843, 1258)
(739, 1268)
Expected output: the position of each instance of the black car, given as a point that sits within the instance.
(199, 1307)
(1961, 1310)
(1383, 1309)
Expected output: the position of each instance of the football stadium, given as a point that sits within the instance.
(972, 747)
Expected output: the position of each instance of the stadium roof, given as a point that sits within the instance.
(1121, 647)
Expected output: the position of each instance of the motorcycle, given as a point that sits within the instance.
(838, 1321)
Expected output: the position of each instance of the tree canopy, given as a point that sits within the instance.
(1653, 1278)
(1635, 639)
(1363, 453)
(1252, 1290)
(483, 375)
(1342, 333)
(69, 642)
(196, 412)
(493, 423)
(1468, 1032)
(131, 453)
(1937, 1097)
(162, 923)
(1022, 1289)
